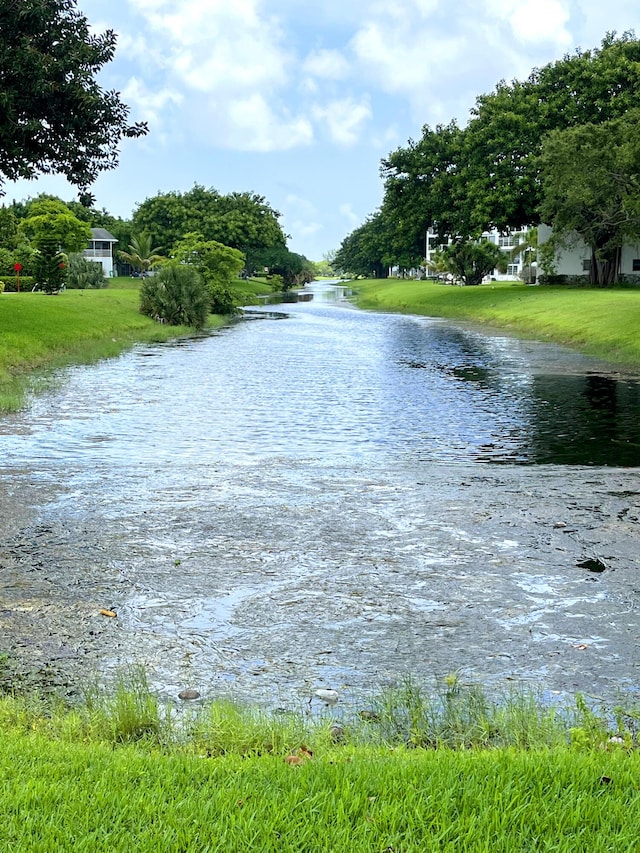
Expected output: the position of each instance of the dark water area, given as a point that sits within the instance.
(316, 497)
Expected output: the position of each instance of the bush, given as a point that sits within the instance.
(9, 283)
(83, 274)
(176, 295)
(223, 300)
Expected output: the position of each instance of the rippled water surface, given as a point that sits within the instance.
(318, 496)
(329, 380)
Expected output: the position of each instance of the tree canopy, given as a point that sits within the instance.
(51, 221)
(54, 117)
(495, 172)
(591, 189)
(243, 221)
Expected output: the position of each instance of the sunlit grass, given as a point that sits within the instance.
(418, 772)
(602, 322)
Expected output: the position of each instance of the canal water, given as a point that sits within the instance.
(319, 497)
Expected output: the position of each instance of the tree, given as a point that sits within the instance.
(50, 220)
(463, 182)
(244, 221)
(471, 261)
(50, 266)
(292, 269)
(591, 189)
(420, 188)
(141, 254)
(217, 265)
(364, 252)
(54, 116)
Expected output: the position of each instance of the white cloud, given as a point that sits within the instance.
(535, 20)
(343, 119)
(348, 213)
(329, 64)
(251, 125)
(148, 103)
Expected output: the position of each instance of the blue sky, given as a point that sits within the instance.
(299, 101)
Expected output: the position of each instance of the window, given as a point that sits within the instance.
(586, 266)
(636, 265)
(505, 241)
(512, 269)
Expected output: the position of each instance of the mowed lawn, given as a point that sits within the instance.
(75, 797)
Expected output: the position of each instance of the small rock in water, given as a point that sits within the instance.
(328, 696)
(188, 694)
(592, 565)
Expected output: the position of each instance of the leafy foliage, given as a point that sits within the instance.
(54, 116)
(240, 220)
(591, 183)
(364, 251)
(471, 261)
(142, 255)
(51, 220)
(83, 274)
(290, 268)
(176, 295)
(491, 173)
(217, 265)
(50, 266)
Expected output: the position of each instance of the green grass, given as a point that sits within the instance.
(58, 797)
(119, 774)
(600, 322)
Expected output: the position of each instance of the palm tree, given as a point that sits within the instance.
(141, 255)
(528, 248)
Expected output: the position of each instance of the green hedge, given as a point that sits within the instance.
(9, 281)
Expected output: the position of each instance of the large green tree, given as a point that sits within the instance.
(294, 269)
(464, 181)
(51, 222)
(54, 116)
(591, 190)
(244, 221)
(365, 252)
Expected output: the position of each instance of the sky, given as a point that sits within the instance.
(299, 101)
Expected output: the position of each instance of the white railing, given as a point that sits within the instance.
(96, 253)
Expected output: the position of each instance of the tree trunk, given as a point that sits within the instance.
(604, 273)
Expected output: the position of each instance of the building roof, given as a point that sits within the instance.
(102, 234)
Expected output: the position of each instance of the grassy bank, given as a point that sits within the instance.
(600, 322)
(116, 774)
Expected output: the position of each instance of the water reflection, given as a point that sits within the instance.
(328, 381)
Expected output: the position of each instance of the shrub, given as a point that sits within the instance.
(10, 285)
(222, 298)
(176, 295)
(83, 274)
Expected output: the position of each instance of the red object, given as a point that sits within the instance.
(17, 268)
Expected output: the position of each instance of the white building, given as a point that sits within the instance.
(100, 250)
(575, 258)
(506, 242)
